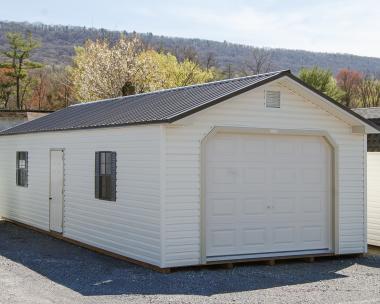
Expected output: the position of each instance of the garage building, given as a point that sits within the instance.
(254, 167)
(373, 176)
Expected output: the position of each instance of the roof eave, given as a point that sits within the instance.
(151, 122)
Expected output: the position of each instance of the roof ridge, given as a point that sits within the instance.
(184, 87)
(95, 101)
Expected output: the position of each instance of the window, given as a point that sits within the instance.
(22, 169)
(272, 99)
(105, 175)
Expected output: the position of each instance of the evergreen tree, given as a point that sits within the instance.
(18, 53)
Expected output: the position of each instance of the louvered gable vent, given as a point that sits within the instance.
(272, 99)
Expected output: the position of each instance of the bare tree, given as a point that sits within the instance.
(50, 89)
(260, 61)
(369, 92)
(348, 81)
(186, 52)
(41, 88)
(228, 72)
(210, 61)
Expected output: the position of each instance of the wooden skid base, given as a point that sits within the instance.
(223, 264)
(272, 261)
(372, 249)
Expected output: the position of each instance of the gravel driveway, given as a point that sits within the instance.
(35, 268)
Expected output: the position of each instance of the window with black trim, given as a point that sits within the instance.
(22, 168)
(105, 175)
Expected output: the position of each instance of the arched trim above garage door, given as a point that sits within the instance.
(266, 131)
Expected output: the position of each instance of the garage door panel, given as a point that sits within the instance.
(315, 149)
(254, 237)
(246, 189)
(283, 235)
(312, 204)
(312, 176)
(223, 148)
(229, 209)
(225, 175)
(254, 206)
(282, 176)
(223, 237)
(284, 204)
(222, 210)
(312, 234)
(254, 175)
(282, 148)
(222, 207)
(253, 147)
(267, 193)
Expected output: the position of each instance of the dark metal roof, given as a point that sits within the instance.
(163, 106)
(372, 114)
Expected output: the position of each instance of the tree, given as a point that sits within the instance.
(6, 87)
(40, 90)
(210, 61)
(63, 86)
(185, 53)
(368, 92)
(51, 89)
(229, 72)
(163, 71)
(260, 61)
(190, 72)
(321, 80)
(18, 53)
(104, 71)
(349, 81)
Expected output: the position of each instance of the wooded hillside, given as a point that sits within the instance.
(58, 48)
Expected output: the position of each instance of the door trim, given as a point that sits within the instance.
(252, 130)
(63, 186)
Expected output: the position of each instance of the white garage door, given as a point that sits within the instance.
(267, 195)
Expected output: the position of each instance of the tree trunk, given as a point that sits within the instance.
(18, 93)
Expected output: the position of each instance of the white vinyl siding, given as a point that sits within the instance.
(373, 197)
(183, 166)
(130, 226)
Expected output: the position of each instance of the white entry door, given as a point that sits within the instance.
(267, 195)
(56, 190)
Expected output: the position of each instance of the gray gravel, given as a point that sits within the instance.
(35, 268)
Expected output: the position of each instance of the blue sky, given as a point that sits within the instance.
(349, 26)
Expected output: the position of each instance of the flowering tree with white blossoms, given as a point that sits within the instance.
(101, 70)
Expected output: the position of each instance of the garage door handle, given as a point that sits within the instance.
(50, 198)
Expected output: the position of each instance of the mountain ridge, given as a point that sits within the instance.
(58, 43)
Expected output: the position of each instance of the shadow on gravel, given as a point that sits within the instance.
(90, 274)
